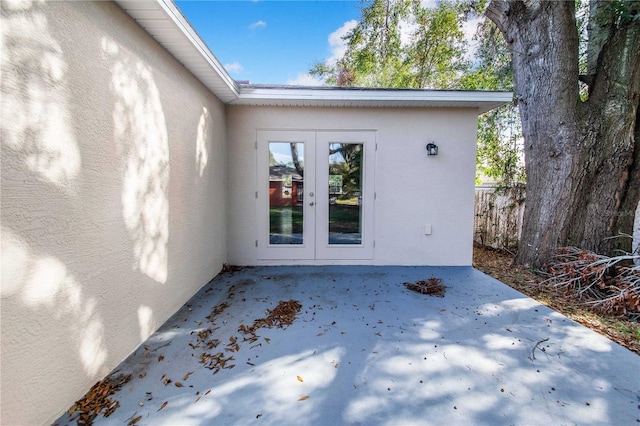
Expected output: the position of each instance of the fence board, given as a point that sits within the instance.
(498, 216)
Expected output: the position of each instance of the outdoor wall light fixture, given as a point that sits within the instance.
(432, 148)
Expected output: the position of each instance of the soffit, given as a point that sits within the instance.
(165, 23)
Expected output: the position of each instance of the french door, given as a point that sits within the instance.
(316, 195)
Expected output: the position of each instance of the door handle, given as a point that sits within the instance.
(312, 203)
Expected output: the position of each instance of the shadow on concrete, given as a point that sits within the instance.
(365, 350)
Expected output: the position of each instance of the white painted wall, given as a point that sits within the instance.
(412, 188)
(113, 197)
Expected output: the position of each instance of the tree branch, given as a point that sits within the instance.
(497, 11)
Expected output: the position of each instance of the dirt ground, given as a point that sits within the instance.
(499, 264)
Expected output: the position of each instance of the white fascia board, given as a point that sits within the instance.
(482, 100)
(185, 27)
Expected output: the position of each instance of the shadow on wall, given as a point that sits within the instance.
(41, 176)
(140, 133)
(85, 182)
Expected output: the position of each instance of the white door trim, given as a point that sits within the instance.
(364, 250)
(266, 250)
(315, 244)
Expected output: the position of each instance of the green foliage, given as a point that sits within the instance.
(436, 54)
(402, 43)
(349, 167)
(492, 69)
(374, 54)
(618, 12)
(499, 156)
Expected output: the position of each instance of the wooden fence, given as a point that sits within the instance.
(498, 216)
(499, 213)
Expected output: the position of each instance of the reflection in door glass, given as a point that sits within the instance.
(286, 192)
(345, 193)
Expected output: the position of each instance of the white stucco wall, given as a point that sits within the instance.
(113, 197)
(412, 188)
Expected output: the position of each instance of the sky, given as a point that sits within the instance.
(272, 42)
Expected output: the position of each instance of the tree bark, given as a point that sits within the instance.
(296, 161)
(631, 200)
(580, 156)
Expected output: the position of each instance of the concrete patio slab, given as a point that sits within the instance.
(366, 350)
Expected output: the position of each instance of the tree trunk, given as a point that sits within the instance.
(296, 161)
(631, 200)
(579, 155)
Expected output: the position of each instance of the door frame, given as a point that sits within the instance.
(364, 250)
(266, 250)
(315, 245)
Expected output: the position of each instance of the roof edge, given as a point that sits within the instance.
(202, 63)
(282, 95)
(196, 56)
(185, 26)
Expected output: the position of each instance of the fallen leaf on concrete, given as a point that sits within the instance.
(164, 404)
(300, 379)
(303, 398)
(134, 421)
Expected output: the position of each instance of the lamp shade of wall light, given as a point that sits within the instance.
(432, 148)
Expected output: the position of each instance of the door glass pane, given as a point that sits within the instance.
(345, 193)
(286, 192)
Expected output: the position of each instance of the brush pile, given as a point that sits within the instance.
(433, 286)
(609, 285)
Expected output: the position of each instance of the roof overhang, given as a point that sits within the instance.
(164, 22)
(327, 96)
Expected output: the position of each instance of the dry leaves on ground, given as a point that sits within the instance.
(499, 264)
(98, 400)
(282, 315)
(216, 361)
(230, 268)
